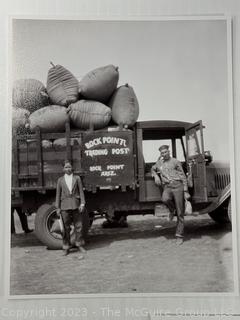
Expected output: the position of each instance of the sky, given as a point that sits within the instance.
(177, 68)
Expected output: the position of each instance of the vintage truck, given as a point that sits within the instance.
(115, 165)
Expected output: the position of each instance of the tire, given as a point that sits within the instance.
(91, 218)
(230, 210)
(221, 214)
(119, 221)
(48, 229)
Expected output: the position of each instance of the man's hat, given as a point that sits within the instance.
(163, 147)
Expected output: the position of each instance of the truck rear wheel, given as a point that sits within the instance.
(118, 221)
(222, 214)
(48, 229)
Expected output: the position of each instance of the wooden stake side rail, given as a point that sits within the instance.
(39, 157)
(15, 164)
(68, 142)
(38, 188)
(41, 189)
(49, 136)
(37, 167)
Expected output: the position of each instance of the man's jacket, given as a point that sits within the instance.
(66, 200)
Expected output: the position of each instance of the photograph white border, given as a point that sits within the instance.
(228, 20)
(226, 306)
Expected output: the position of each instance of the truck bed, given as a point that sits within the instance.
(104, 158)
(37, 159)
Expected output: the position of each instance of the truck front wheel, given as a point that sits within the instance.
(47, 227)
(229, 209)
(222, 214)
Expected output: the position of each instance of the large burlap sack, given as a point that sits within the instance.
(29, 94)
(124, 105)
(85, 113)
(188, 208)
(99, 83)
(60, 143)
(62, 86)
(46, 144)
(19, 118)
(49, 119)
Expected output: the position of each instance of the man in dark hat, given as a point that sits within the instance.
(70, 203)
(168, 173)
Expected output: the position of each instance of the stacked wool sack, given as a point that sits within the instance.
(95, 89)
(28, 95)
(49, 119)
(99, 87)
(62, 86)
(35, 105)
(62, 89)
(92, 102)
(124, 105)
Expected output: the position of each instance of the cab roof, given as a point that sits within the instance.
(162, 129)
(163, 124)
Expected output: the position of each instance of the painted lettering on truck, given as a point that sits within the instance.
(107, 158)
(105, 140)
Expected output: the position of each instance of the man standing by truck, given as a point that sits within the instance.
(70, 204)
(23, 220)
(168, 173)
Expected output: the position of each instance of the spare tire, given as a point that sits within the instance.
(48, 231)
(45, 218)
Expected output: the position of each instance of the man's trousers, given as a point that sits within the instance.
(72, 217)
(173, 197)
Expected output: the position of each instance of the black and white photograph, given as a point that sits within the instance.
(122, 157)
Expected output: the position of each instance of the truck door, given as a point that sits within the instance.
(196, 161)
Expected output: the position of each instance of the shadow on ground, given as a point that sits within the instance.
(138, 228)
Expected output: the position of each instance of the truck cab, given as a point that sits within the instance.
(186, 144)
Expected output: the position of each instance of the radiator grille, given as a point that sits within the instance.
(221, 180)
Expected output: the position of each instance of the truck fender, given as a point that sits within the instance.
(224, 195)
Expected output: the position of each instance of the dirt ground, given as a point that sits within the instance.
(142, 258)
